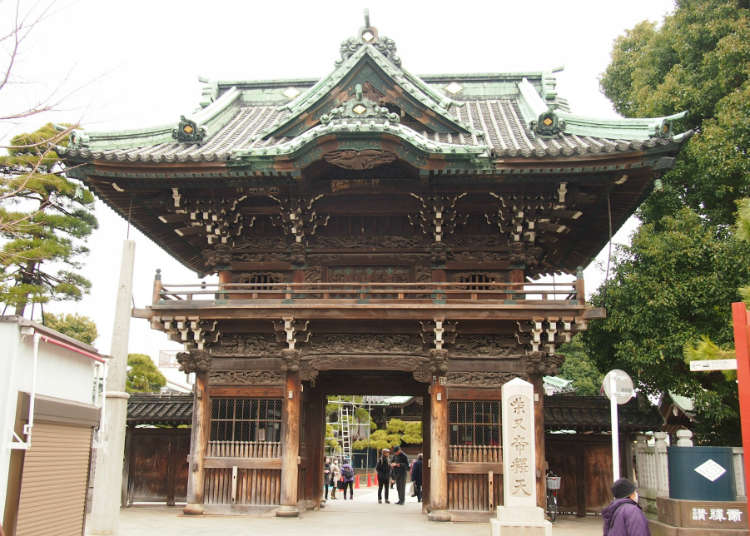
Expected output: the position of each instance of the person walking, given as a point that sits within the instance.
(347, 472)
(623, 516)
(326, 475)
(399, 467)
(383, 469)
(416, 477)
(335, 474)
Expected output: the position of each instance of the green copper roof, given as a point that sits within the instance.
(369, 100)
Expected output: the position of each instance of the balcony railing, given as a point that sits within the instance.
(568, 292)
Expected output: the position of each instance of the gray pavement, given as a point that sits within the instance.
(361, 517)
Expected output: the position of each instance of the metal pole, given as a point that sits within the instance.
(615, 428)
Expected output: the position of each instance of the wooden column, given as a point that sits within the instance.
(438, 452)
(541, 459)
(290, 445)
(198, 444)
(426, 446)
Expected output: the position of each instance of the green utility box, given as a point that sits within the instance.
(701, 473)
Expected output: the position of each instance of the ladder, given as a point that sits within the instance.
(345, 432)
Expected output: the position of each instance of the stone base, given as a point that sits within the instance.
(287, 511)
(439, 515)
(682, 517)
(520, 521)
(193, 510)
(658, 528)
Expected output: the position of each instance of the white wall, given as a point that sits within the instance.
(61, 373)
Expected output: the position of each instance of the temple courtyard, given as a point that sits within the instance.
(361, 517)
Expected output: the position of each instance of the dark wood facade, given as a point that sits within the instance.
(373, 232)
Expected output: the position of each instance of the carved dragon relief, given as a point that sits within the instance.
(325, 344)
(543, 364)
(246, 345)
(194, 361)
(486, 346)
(245, 377)
(479, 379)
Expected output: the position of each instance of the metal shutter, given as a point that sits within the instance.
(53, 486)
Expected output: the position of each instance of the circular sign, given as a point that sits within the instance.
(623, 386)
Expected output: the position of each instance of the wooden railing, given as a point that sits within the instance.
(374, 292)
(244, 449)
(475, 453)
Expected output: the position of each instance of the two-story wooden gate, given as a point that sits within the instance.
(372, 223)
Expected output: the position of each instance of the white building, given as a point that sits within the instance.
(50, 387)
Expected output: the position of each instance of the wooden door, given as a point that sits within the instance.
(158, 467)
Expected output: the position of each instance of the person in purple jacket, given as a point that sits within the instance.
(623, 516)
(347, 473)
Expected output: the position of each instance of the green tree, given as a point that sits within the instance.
(580, 368)
(143, 376)
(671, 287)
(397, 432)
(44, 220)
(79, 327)
(697, 60)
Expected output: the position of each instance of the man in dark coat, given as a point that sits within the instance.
(623, 516)
(416, 477)
(399, 466)
(383, 469)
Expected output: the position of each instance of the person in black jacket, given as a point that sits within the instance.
(416, 477)
(384, 474)
(399, 467)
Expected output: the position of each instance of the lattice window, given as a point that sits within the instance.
(475, 281)
(474, 422)
(246, 419)
(259, 281)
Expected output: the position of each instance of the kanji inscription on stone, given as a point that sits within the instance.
(519, 457)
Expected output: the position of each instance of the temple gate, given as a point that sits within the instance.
(373, 232)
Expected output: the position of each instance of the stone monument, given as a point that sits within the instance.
(519, 514)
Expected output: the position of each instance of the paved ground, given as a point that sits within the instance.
(361, 517)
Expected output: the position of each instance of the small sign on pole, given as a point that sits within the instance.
(713, 364)
(618, 387)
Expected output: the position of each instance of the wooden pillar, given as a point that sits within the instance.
(198, 444)
(438, 451)
(290, 445)
(541, 459)
(426, 446)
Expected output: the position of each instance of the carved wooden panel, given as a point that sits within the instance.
(245, 377)
(486, 346)
(364, 344)
(368, 274)
(479, 379)
(246, 345)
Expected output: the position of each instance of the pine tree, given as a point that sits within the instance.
(44, 218)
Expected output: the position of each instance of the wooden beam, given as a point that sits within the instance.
(468, 468)
(215, 462)
(248, 391)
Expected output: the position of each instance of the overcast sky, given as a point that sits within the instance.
(132, 64)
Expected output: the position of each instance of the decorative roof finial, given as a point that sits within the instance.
(368, 35)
